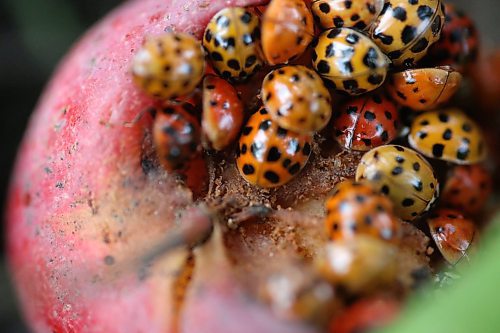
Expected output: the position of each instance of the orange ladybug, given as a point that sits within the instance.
(223, 112)
(424, 88)
(297, 99)
(358, 208)
(269, 155)
(176, 136)
(287, 30)
(452, 233)
(467, 188)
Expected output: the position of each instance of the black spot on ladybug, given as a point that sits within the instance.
(286, 163)
(247, 39)
(281, 132)
(338, 22)
(369, 116)
(420, 45)
(397, 171)
(244, 149)
(216, 56)
(462, 153)
(360, 198)
(324, 7)
(323, 67)
(248, 169)
(350, 84)
(418, 186)
(424, 12)
(436, 25)
(437, 150)
(375, 79)
(234, 64)
(273, 155)
(467, 127)
(431, 185)
(388, 115)
(246, 18)
(399, 148)
(401, 95)
(352, 38)
(399, 13)
(347, 67)
(360, 25)
(226, 74)
(333, 33)
(443, 117)
(294, 168)
(367, 142)
(354, 17)
(246, 130)
(385, 189)
(208, 35)
(384, 136)
(422, 101)
(281, 72)
(408, 34)
(416, 166)
(269, 96)
(370, 58)
(272, 176)
(394, 54)
(413, 2)
(250, 61)
(385, 39)
(329, 51)
(265, 125)
(408, 202)
(400, 159)
(447, 134)
(307, 149)
(377, 99)
(348, 4)
(371, 8)
(424, 123)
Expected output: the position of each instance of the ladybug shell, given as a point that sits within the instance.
(459, 42)
(403, 175)
(366, 122)
(169, 66)
(231, 40)
(424, 88)
(358, 14)
(297, 99)
(268, 155)
(349, 61)
(222, 115)
(406, 28)
(448, 135)
(287, 30)
(357, 208)
(366, 315)
(467, 188)
(361, 264)
(176, 136)
(452, 233)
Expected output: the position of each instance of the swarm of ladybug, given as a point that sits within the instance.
(369, 64)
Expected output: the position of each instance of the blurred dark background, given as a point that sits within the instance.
(34, 35)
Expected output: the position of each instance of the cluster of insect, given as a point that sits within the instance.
(349, 70)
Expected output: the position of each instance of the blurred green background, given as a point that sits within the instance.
(35, 34)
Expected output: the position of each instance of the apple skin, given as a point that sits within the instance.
(83, 203)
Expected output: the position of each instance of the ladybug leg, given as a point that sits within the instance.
(138, 117)
(248, 213)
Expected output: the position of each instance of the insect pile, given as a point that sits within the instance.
(268, 87)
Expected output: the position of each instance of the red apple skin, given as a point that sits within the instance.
(81, 208)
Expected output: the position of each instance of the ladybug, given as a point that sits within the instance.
(360, 264)
(459, 42)
(223, 112)
(297, 99)
(467, 188)
(424, 88)
(448, 135)
(287, 30)
(366, 315)
(231, 40)
(357, 208)
(403, 175)
(269, 155)
(406, 28)
(346, 14)
(452, 233)
(349, 61)
(169, 65)
(366, 122)
(176, 136)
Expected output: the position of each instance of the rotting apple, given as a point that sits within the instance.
(88, 204)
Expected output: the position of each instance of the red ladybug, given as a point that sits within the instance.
(467, 188)
(176, 136)
(459, 42)
(366, 122)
